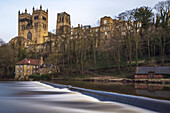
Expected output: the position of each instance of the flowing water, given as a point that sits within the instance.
(156, 91)
(36, 97)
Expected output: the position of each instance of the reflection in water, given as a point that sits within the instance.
(35, 97)
(158, 91)
(149, 87)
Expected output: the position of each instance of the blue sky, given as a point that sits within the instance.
(86, 12)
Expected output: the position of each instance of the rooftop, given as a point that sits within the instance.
(156, 70)
(29, 61)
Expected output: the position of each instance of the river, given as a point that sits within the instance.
(36, 97)
(157, 91)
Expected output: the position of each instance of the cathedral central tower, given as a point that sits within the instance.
(63, 23)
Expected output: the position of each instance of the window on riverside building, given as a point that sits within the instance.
(105, 28)
(28, 71)
(105, 33)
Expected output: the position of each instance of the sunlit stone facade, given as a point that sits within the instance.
(33, 27)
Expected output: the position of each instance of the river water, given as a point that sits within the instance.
(36, 97)
(157, 91)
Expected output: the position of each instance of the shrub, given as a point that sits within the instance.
(35, 77)
(45, 77)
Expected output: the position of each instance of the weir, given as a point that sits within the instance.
(156, 105)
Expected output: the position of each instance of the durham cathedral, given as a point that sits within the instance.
(33, 31)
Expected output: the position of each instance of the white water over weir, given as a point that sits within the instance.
(36, 97)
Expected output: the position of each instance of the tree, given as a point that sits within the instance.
(127, 15)
(7, 60)
(162, 9)
(143, 15)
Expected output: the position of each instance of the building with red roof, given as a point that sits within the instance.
(27, 67)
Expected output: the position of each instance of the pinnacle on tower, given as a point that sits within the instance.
(40, 7)
(25, 10)
(33, 9)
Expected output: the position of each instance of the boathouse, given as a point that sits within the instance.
(152, 72)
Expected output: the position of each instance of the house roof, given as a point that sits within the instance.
(156, 70)
(29, 61)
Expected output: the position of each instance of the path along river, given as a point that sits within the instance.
(36, 97)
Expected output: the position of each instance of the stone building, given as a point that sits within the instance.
(63, 23)
(152, 72)
(27, 67)
(33, 27)
(34, 31)
(20, 41)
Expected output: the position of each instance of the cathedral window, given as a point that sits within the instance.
(105, 21)
(24, 19)
(36, 24)
(35, 17)
(63, 19)
(23, 27)
(44, 18)
(67, 20)
(29, 35)
(60, 19)
(44, 26)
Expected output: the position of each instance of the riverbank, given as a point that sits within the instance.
(113, 79)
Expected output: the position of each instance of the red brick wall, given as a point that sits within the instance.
(158, 76)
(141, 76)
(147, 76)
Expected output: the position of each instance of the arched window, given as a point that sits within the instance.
(29, 35)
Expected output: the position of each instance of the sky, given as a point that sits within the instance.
(85, 12)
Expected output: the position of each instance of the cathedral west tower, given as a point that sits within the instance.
(33, 27)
